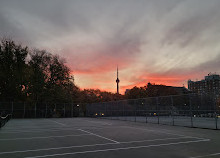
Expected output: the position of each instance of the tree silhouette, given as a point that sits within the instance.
(13, 74)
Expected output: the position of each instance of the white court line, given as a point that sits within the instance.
(73, 135)
(163, 131)
(57, 122)
(215, 154)
(116, 149)
(81, 146)
(36, 131)
(156, 131)
(99, 136)
(152, 140)
(49, 129)
(99, 122)
(54, 129)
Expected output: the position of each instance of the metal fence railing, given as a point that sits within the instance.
(190, 110)
(41, 110)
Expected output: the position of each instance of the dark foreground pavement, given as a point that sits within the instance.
(100, 138)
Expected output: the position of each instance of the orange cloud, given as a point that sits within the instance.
(165, 79)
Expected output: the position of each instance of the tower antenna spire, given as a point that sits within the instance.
(117, 71)
(117, 81)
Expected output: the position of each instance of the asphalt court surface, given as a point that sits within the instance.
(101, 138)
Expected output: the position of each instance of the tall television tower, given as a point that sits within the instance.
(117, 81)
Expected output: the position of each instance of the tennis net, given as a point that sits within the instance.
(4, 119)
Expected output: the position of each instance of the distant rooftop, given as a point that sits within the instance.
(210, 76)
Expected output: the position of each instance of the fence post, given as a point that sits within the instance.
(35, 110)
(146, 109)
(123, 110)
(110, 110)
(12, 108)
(190, 104)
(135, 111)
(24, 111)
(146, 116)
(87, 110)
(46, 111)
(172, 112)
(216, 117)
(71, 109)
(158, 119)
(216, 121)
(64, 110)
(119, 110)
(106, 113)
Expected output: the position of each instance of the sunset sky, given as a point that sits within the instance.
(158, 41)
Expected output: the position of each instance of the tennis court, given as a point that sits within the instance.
(91, 137)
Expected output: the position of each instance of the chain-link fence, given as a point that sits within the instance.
(41, 110)
(190, 110)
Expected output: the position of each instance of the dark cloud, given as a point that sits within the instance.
(148, 39)
(211, 65)
(197, 70)
(197, 20)
(102, 58)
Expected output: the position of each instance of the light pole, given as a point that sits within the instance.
(78, 108)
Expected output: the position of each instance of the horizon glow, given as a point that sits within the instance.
(162, 42)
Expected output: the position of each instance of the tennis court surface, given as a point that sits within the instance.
(100, 138)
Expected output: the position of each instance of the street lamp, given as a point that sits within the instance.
(78, 108)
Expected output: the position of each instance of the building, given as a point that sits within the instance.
(210, 85)
(160, 90)
(180, 90)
